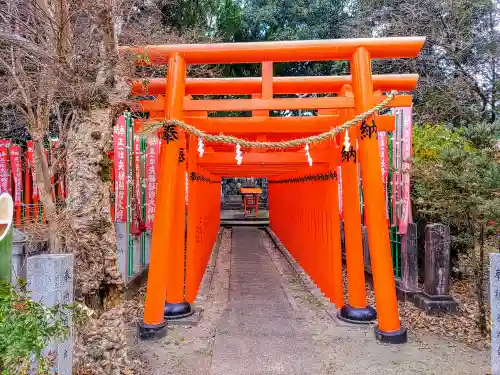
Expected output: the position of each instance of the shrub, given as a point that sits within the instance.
(26, 328)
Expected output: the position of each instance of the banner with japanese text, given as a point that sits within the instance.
(31, 164)
(120, 163)
(137, 171)
(16, 168)
(401, 161)
(406, 152)
(153, 148)
(4, 167)
(384, 163)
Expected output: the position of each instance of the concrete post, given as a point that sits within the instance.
(136, 267)
(50, 282)
(18, 257)
(148, 247)
(409, 263)
(436, 296)
(122, 249)
(437, 259)
(495, 312)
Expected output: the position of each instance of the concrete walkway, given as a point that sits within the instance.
(260, 332)
(273, 325)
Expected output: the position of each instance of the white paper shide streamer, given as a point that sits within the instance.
(347, 143)
(309, 158)
(239, 155)
(201, 147)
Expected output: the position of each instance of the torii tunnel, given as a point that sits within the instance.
(303, 199)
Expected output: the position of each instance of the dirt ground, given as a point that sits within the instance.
(309, 340)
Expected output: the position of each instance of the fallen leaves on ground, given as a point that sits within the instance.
(460, 326)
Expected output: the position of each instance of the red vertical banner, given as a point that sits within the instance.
(111, 156)
(151, 173)
(384, 163)
(34, 187)
(55, 179)
(406, 152)
(31, 164)
(5, 185)
(120, 162)
(15, 166)
(137, 176)
(395, 173)
(27, 190)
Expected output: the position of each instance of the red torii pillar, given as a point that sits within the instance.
(163, 248)
(357, 310)
(389, 327)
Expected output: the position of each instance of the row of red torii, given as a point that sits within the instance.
(303, 199)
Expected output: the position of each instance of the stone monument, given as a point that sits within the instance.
(495, 312)
(50, 282)
(436, 297)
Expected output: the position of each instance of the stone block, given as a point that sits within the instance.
(435, 297)
(122, 249)
(149, 237)
(50, 282)
(18, 257)
(408, 286)
(437, 259)
(495, 312)
(434, 304)
(137, 256)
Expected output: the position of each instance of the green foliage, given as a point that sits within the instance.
(454, 180)
(219, 19)
(459, 62)
(429, 141)
(264, 20)
(26, 328)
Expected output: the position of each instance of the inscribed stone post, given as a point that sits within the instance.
(18, 257)
(137, 254)
(122, 248)
(495, 312)
(50, 282)
(409, 259)
(436, 296)
(148, 247)
(437, 259)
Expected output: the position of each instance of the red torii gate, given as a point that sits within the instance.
(356, 94)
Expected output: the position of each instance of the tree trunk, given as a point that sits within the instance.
(473, 255)
(92, 238)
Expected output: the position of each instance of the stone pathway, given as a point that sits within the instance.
(261, 319)
(260, 332)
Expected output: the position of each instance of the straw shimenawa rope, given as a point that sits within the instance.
(151, 128)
